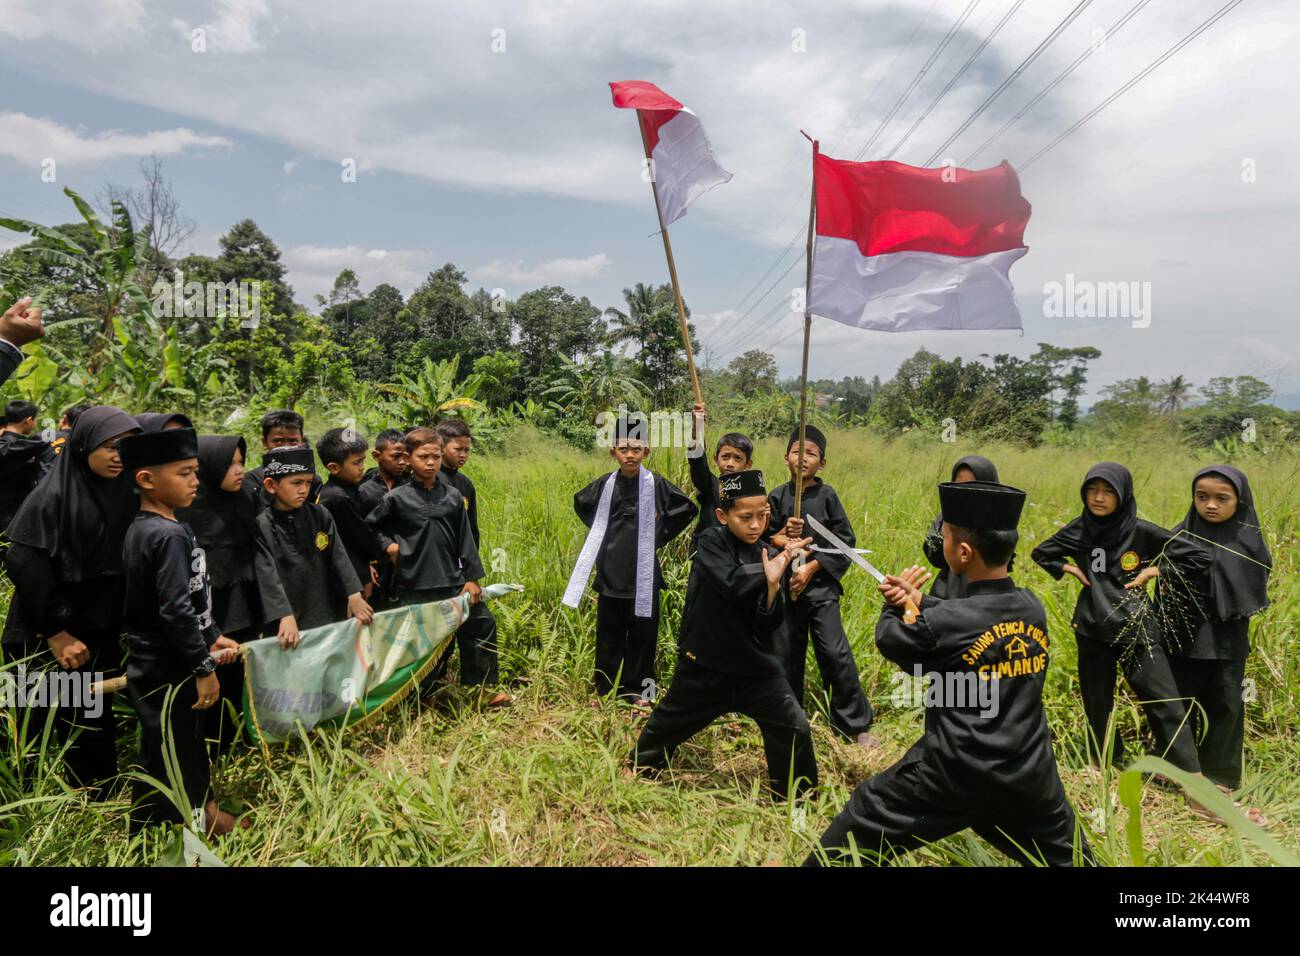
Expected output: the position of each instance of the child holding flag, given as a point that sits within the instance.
(632, 513)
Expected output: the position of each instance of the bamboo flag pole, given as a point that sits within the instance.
(114, 685)
(807, 334)
(807, 330)
(672, 266)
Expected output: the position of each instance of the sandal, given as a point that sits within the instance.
(1254, 814)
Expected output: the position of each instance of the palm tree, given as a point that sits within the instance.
(597, 385)
(1174, 393)
(637, 324)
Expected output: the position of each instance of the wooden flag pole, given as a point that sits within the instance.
(807, 332)
(672, 267)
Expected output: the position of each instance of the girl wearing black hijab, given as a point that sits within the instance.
(65, 560)
(946, 584)
(222, 520)
(1208, 623)
(1115, 554)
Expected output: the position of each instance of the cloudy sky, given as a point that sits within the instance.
(483, 134)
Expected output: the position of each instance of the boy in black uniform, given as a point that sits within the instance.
(303, 571)
(1114, 622)
(281, 428)
(24, 459)
(946, 584)
(986, 759)
(622, 544)
(815, 591)
(344, 455)
(457, 443)
(437, 558)
(172, 642)
(391, 467)
(735, 452)
(730, 644)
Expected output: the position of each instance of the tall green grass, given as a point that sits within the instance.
(540, 782)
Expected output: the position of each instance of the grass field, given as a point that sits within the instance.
(539, 783)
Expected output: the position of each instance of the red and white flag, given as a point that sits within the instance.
(901, 249)
(682, 159)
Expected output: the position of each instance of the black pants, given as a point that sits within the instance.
(896, 811)
(88, 731)
(223, 723)
(476, 639)
(850, 712)
(1216, 686)
(183, 730)
(1147, 673)
(625, 647)
(700, 695)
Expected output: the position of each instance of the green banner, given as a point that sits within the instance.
(343, 674)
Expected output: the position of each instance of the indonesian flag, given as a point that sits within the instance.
(902, 249)
(683, 164)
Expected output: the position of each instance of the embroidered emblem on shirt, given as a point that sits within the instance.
(322, 541)
(1129, 560)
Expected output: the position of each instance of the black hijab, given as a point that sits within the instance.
(157, 421)
(1113, 533)
(222, 521)
(1239, 576)
(981, 467)
(75, 516)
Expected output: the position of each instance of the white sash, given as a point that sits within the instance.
(645, 545)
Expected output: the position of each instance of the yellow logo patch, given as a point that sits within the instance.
(322, 541)
(1129, 560)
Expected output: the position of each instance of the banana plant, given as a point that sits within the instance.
(109, 267)
(433, 392)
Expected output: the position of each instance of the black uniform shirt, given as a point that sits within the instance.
(371, 490)
(726, 623)
(460, 481)
(302, 567)
(168, 609)
(706, 490)
(431, 527)
(1105, 611)
(362, 543)
(616, 561)
(988, 741)
(822, 503)
(23, 462)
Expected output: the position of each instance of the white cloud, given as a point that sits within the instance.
(31, 139)
(113, 22)
(1155, 178)
(289, 165)
(312, 269)
(235, 28)
(550, 272)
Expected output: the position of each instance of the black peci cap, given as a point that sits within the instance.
(741, 484)
(283, 462)
(981, 504)
(158, 448)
